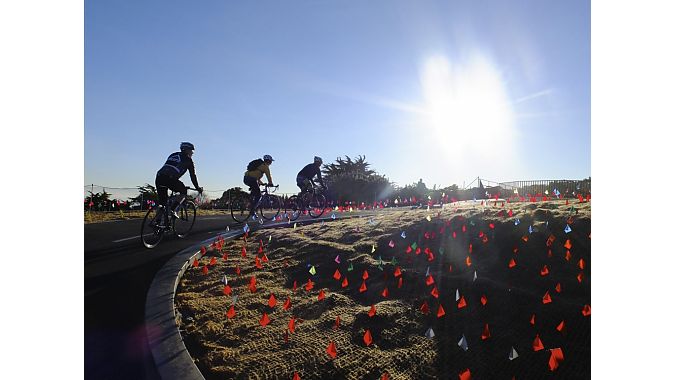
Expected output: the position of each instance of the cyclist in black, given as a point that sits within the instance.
(254, 173)
(168, 175)
(304, 177)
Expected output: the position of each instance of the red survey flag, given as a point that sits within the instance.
(532, 320)
(252, 284)
(265, 320)
(435, 292)
(561, 326)
(546, 298)
(484, 300)
(512, 263)
(231, 312)
(425, 308)
(368, 339)
(544, 271)
(309, 285)
(331, 350)
(461, 302)
(441, 312)
(486, 333)
(336, 275)
(321, 295)
(345, 283)
(372, 311)
(365, 275)
(227, 290)
(292, 325)
(555, 358)
(362, 288)
(397, 272)
(385, 292)
(272, 301)
(430, 280)
(287, 303)
(205, 270)
(465, 375)
(196, 263)
(586, 310)
(296, 376)
(537, 343)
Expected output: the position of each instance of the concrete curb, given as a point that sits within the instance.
(170, 356)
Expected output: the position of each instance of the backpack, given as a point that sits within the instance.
(253, 165)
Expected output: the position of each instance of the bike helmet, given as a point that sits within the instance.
(187, 146)
(267, 157)
(318, 160)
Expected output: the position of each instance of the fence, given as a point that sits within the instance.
(566, 188)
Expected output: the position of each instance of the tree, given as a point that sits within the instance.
(353, 181)
(98, 201)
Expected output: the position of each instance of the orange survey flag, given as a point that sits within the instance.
(468, 261)
(537, 343)
(544, 271)
(272, 301)
(567, 244)
(581, 263)
(558, 287)
(486, 333)
(368, 339)
(484, 300)
(231, 312)
(372, 311)
(580, 277)
(461, 302)
(512, 263)
(568, 256)
(265, 320)
(331, 350)
(561, 326)
(440, 311)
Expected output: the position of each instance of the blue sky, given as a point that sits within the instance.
(440, 90)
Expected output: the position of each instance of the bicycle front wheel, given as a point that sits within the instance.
(270, 206)
(317, 205)
(187, 213)
(151, 234)
(240, 208)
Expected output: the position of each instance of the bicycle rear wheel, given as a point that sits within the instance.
(187, 213)
(293, 207)
(316, 205)
(151, 234)
(270, 206)
(240, 208)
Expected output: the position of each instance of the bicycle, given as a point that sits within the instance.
(180, 220)
(312, 201)
(268, 205)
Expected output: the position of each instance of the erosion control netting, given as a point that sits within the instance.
(512, 286)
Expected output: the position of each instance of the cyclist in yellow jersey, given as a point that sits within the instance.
(254, 173)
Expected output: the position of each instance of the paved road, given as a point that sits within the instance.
(118, 272)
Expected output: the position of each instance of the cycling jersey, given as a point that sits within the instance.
(257, 173)
(309, 171)
(177, 164)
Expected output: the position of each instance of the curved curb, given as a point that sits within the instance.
(170, 356)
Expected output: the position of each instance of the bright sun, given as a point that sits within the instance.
(467, 108)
